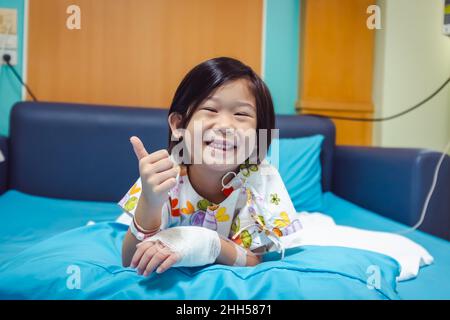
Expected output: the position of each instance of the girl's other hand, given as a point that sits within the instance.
(157, 171)
(151, 256)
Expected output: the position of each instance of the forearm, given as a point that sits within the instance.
(228, 253)
(128, 248)
(148, 218)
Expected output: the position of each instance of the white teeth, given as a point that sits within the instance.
(221, 145)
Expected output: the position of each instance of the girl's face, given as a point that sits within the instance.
(222, 130)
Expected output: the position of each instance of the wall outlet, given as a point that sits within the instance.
(12, 53)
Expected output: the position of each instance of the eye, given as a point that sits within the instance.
(209, 109)
(242, 114)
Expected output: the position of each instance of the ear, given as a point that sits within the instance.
(174, 124)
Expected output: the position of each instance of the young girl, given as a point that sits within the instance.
(191, 212)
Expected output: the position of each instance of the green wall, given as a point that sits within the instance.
(10, 88)
(281, 51)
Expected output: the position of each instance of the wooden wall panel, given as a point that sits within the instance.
(134, 52)
(349, 132)
(337, 64)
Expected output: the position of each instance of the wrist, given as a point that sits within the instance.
(151, 204)
(140, 233)
(146, 216)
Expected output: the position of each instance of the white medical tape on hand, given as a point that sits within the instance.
(241, 256)
(241, 253)
(196, 246)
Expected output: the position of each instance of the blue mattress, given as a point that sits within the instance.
(27, 220)
(433, 281)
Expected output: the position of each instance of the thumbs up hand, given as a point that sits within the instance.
(157, 171)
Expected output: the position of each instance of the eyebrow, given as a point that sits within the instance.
(240, 103)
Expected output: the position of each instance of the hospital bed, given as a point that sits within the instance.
(66, 166)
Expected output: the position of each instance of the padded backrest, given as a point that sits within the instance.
(304, 126)
(83, 152)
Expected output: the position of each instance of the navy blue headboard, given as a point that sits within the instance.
(77, 151)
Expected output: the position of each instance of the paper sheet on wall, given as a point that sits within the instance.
(8, 34)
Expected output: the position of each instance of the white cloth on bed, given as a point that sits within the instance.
(320, 229)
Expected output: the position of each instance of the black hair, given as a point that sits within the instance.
(203, 79)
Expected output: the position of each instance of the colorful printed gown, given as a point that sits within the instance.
(256, 212)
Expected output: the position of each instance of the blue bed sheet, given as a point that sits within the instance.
(433, 281)
(27, 219)
(39, 218)
(91, 254)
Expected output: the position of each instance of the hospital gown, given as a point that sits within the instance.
(255, 214)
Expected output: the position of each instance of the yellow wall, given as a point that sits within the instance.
(412, 59)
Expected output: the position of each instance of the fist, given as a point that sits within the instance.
(157, 171)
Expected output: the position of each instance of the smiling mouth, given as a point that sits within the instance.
(222, 145)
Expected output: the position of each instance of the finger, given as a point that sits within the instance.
(166, 185)
(169, 262)
(138, 147)
(159, 178)
(158, 155)
(151, 159)
(145, 259)
(156, 260)
(156, 167)
(141, 247)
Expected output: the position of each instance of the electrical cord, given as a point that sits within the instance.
(438, 166)
(430, 193)
(384, 118)
(7, 59)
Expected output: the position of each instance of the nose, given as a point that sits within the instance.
(224, 123)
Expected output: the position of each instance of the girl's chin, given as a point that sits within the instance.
(223, 168)
(219, 164)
